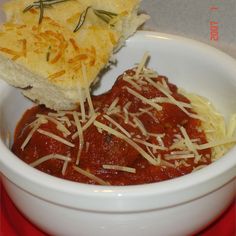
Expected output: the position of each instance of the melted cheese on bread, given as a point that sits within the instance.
(46, 59)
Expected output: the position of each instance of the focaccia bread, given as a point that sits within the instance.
(54, 49)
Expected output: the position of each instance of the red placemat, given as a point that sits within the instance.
(13, 223)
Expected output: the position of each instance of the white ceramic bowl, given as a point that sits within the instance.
(180, 206)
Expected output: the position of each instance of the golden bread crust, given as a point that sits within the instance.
(53, 51)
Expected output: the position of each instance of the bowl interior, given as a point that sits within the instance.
(190, 65)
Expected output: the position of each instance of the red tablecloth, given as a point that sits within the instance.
(12, 223)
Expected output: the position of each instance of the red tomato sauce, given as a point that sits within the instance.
(103, 148)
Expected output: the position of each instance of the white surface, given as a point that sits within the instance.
(60, 206)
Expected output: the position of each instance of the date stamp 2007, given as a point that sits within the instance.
(214, 25)
(214, 31)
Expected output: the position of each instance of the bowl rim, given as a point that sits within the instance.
(13, 168)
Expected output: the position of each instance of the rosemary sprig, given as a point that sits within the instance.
(42, 4)
(81, 19)
(106, 16)
(48, 53)
(41, 7)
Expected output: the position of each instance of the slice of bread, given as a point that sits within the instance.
(53, 62)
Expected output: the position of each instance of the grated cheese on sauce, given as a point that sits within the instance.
(189, 144)
(81, 136)
(87, 92)
(90, 176)
(172, 99)
(117, 125)
(37, 124)
(56, 137)
(119, 168)
(52, 156)
(129, 141)
(143, 99)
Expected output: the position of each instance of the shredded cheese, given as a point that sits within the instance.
(66, 120)
(81, 102)
(149, 144)
(158, 158)
(55, 137)
(113, 105)
(141, 65)
(119, 168)
(64, 167)
(143, 99)
(190, 145)
(126, 113)
(60, 126)
(231, 128)
(48, 157)
(84, 72)
(87, 125)
(90, 176)
(140, 126)
(172, 99)
(216, 143)
(129, 141)
(179, 156)
(81, 137)
(117, 125)
(131, 82)
(167, 100)
(150, 114)
(90, 121)
(37, 124)
(168, 164)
